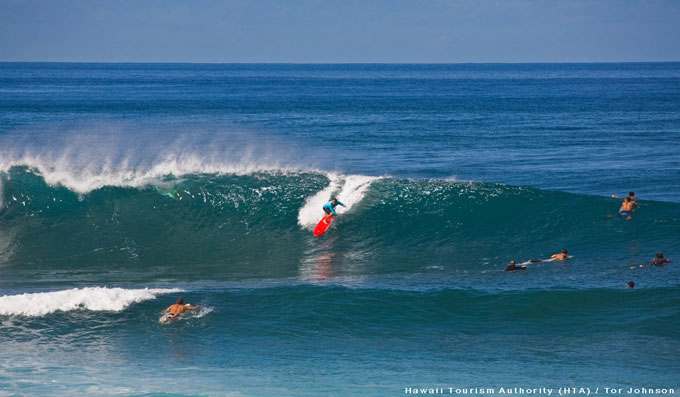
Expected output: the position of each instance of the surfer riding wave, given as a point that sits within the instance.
(329, 209)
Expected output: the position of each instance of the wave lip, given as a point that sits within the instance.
(89, 298)
(87, 158)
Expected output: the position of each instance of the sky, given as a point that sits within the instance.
(340, 31)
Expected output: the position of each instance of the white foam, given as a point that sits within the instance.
(90, 298)
(348, 189)
(86, 178)
(84, 160)
(354, 190)
(203, 311)
(310, 213)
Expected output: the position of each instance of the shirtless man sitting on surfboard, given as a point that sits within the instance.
(329, 209)
(178, 308)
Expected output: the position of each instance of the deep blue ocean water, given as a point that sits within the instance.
(126, 186)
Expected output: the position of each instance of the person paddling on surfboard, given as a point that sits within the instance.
(329, 209)
(627, 207)
(560, 256)
(173, 311)
(513, 267)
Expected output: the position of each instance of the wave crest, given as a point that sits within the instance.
(84, 159)
(90, 298)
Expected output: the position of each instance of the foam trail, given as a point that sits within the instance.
(353, 189)
(310, 213)
(90, 298)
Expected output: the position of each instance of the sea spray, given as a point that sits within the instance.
(86, 158)
(349, 190)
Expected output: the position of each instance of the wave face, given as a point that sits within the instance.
(234, 226)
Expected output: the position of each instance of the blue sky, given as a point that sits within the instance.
(340, 30)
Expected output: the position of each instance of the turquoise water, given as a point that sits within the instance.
(126, 186)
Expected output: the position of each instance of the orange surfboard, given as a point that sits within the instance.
(321, 227)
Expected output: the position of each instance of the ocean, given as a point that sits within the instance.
(124, 187)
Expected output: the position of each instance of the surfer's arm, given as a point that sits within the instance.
(333, 211)
(191, 307)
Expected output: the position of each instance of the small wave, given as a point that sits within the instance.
(90, 298)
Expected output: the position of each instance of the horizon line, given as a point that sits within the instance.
(347, 63)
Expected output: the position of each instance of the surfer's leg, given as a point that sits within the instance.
(328, 215)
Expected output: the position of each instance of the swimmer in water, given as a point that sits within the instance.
(631, 285)
(174, 311)
(513, 267)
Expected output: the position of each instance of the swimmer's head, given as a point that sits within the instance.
(512, 262)
(180, 301)
(659, 255)
(564, 251)
(631, 284)
(631, 194)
